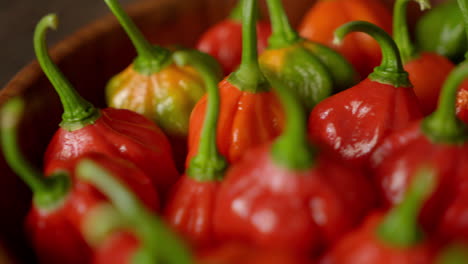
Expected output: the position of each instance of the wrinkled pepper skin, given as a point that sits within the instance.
(246, 120)
(426, 81)
(441, 30)
(362, 246)
(273, 207)
(326, 15)
(118, 248)
(235, 253)
(462, 102)
(223, 41)
(313, 70)
(353, 122)
(117, 133)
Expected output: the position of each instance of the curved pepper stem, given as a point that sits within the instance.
(236, 13)
(292, 149)
(158, 242)
(400, 227)
(463, 5)
(248, 77)
(391, 69)
(208, 164)
(443, 126)
(48, 192)
(77, 112)
(150, 59)
(400, 27)
(283, 34)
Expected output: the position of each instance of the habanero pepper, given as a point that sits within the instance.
(190, 206)
(353, 122)
(419, 64)
(327, 15)
(313, 70)
(145, 239)
(249, 113)
(440, 140)
(114, 132)
(441, 30)
(223, 41)
(286, 195)
(55, 222)
(392, 237)
(155, 86)
(236, 253)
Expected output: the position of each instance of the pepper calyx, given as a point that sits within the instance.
(159, 59)
(56, 193)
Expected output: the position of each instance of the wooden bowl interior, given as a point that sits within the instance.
(88, 59)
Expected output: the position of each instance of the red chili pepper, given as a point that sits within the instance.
(190, 206)
(56, 222)
(418, 65)
(353, 122)
(327, 15)
(440, 140)
(143, 238)
(236, 253)
(284, 195)
(393, 237)
(223, 41)
(114, 132)
(462, 102)
(249, 113)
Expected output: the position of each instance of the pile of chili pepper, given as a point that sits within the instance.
(341, 142)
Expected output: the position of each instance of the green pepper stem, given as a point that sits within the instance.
(443, 126)
(453, 254)
(391, 69)
(208, 164)
(463, 6)
(150, 58)
(283, 34)
(158, 242)
(77, 111)
(292, 149)
(236, 13)
(400, 28)
(400, 227)
(248, 77)
(47, 191)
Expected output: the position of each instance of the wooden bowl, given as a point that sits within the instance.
(88, 59)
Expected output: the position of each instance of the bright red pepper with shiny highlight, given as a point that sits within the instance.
(391, 238)
(440, 140)
(327, 15)
(141, 237)
(353, 122)
(236, 253)
(418, 65)
(114, 132)
(285, 195)
(249, 115)
(190, 205)
(462, 102)
(223, 40)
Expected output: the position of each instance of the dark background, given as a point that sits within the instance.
(19, 17)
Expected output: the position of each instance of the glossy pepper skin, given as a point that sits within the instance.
(157, 86)
(326, 16)
(313, 70)
(116, 133)
(235, 253)
(462, 102)
(419, 64)
(440, 140)
(284, 195)
(223, 40)
(143, 238)
(190, 206)
(391, 238)
(352, 123)
(441, 30)
(249, 114)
